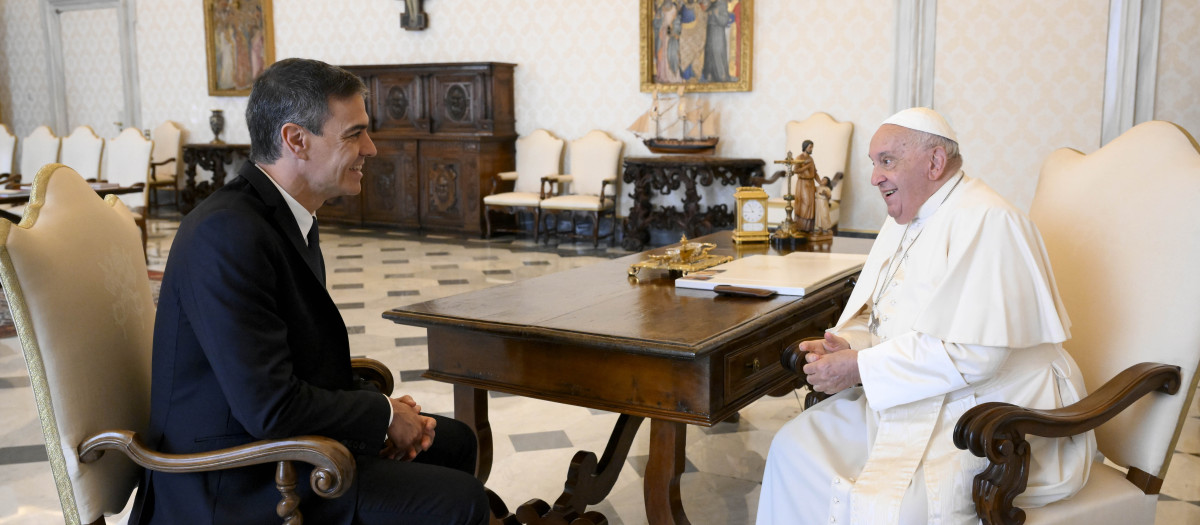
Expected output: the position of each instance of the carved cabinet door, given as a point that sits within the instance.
(458, 102)
(399, 104)
(449, 185)
(390, 187)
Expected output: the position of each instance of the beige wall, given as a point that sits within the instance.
(1018, 80)
(1177, 92)
(1011, 100)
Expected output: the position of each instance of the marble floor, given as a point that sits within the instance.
(370, 271)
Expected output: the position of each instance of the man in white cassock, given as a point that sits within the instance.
(956, 305)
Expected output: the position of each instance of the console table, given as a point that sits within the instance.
(667, 174)
(212, 157)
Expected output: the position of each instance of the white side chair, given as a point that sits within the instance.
(8, 153)
(831, 154)
(1127, 284)
(38, 149)
(82, 151)
(591, 185)
(539, 155)
(166, 163)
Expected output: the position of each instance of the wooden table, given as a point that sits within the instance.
(212, 157)
(593, 337)
(21, 195)
(664, 175)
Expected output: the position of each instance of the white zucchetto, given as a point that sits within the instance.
(923, 119)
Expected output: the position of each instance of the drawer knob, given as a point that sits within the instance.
(753, 366)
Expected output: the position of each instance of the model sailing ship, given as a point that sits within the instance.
(685, 134)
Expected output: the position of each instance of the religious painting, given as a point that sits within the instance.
(702, 45)
(240, 44)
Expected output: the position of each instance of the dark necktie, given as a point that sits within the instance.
(314, 250)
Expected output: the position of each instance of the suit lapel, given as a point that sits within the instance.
(282, 216)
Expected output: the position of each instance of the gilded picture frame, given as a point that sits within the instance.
(240, 43)
(677, 39)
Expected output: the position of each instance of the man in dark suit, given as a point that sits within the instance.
(249, 345)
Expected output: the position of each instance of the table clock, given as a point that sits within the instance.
(751, 215)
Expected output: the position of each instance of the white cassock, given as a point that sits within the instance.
(967, 313)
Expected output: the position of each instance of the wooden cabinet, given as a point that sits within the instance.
(442, 131)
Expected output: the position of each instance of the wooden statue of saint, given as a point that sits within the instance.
(806, 189)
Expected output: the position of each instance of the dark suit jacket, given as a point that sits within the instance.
(248, 345)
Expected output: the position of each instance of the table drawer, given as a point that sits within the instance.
(758, 365)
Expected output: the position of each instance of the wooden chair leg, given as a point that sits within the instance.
(487, 222)
(595, 229)
(537, 222)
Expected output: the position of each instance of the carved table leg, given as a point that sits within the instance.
(471, 407)
(663, 503)
(588, 482)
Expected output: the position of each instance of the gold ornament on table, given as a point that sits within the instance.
(751, 215)
(681, 259)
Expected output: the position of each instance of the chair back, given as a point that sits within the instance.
(76, 283)
(8, 150)
(168, 144)
(38, 149)
(594, 157)
(81, 151)
(1120, 228)
(127, 163)
(538, 154)
(831, 145)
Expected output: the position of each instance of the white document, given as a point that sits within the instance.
(791, 274)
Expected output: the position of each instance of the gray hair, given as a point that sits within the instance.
(930, 141)
(295, 90)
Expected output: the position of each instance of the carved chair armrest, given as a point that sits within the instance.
(375, 372)
(759, 180)
(604, 185)
(502, 178)
(996, 431)
(154, 168)
(792, 359)
(333, 466)
(553, 184)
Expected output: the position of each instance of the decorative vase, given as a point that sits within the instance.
(217, 123)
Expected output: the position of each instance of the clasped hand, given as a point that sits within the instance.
(410, 433)
(832, 364)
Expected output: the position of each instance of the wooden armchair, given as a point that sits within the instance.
(166, 162)
(539, 156)
(1125, 281)
(76, 282)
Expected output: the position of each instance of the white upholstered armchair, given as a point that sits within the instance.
(591, 185)
(539, 157)
(1124, 255)
(831, 154)
(74, 277)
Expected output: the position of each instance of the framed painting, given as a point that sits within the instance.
(702, 45)
(240, 44)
